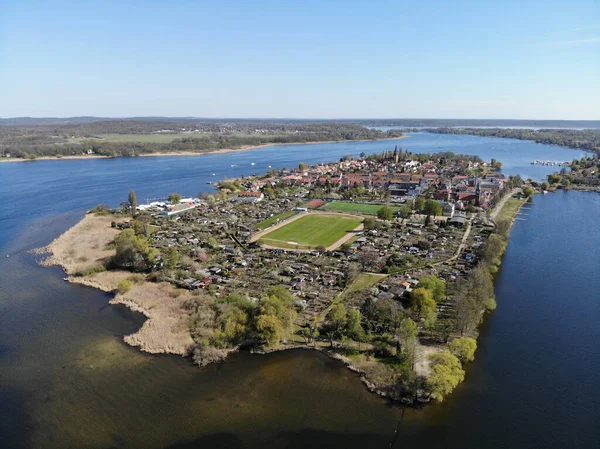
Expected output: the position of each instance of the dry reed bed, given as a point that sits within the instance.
(85, 247)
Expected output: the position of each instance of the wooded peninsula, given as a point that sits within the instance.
(115, 138)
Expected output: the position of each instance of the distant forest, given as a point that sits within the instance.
(34, 139)
(56, 137)
(580, 139)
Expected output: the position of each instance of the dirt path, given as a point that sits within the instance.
(502, 202)
(259, 234)
(345, 238)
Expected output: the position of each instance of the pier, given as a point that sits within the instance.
(551, 163)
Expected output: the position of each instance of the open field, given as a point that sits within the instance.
(311, 231)
(510, 208)
(146, 138)
(365, 280)
(269, 221)
(369, 209)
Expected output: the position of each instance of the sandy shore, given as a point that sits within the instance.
(84, 247)
(191, 153)
(52, 158)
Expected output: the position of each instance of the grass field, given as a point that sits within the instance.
(141, 138)
(311, 231)
(365, 280)
(510, 209)
(368, 209)
(269, 221)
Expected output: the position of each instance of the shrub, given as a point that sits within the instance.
(385, 213)
(382, 349)
(136, 278)
(124, 286)
(89, 271)
(205, 355)
(175, 293)
(100, 209)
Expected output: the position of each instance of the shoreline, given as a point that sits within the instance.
(165, 329)
(193, 153)
(83, 248)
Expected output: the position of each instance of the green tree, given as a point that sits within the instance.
(445, 327)
(231, 322)
(496, 165)
(171, 257)
(446, 374)
(133, 252)
(385, 213)
(430, 322)
(553, 178)
(422, 301)
(463, 348)
(407, 336)
(174, 198)
(435, 285)
(528, 191)
(139, 228)
(346, 246)
(335, 321)
(370, 223)
(269, 329)
(302, 166)
(432, 207)
(279, 302)
(405, 211)
(474, 295)
(132, 202)
(503, 227)
(419, 203)
(354, 328)
(493, 250)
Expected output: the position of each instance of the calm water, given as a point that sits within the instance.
(67, 380)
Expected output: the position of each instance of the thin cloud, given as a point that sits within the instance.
(575, 42)
(587, 27)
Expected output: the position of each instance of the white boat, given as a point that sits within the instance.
(252, 163)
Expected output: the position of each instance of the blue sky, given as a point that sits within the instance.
(312, 59)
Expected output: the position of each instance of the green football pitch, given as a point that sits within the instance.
(311, 231)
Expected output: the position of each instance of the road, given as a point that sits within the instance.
(502, 202)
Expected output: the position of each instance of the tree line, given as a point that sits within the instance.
(579, 139)
(31, 142)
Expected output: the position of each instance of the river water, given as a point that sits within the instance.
(68, 380)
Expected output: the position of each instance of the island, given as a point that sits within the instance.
(385, 262)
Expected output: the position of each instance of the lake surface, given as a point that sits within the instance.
(68, 380)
